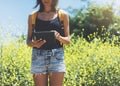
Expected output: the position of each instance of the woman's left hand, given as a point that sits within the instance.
(56, 34)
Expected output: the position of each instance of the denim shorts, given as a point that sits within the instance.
(44, 61)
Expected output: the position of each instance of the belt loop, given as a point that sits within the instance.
(53, 51)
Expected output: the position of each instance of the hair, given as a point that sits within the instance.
(41, 6)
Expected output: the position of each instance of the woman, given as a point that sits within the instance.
(48, 65)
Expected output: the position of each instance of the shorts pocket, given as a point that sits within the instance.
(59, 54)
(35, 54)
(60, 57)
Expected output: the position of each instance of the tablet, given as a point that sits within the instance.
(45, 35)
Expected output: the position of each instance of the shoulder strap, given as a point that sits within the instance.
(33, 16)
(61, 15)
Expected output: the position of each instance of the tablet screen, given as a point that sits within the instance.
(45, 35)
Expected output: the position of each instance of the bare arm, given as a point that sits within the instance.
(37, 43)
(66, 39)
(29, 34)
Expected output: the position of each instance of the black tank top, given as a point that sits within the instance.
(42, 25)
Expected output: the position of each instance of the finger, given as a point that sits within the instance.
(40, 39)
(53, 30)
(57, 35)
(37, 41)
(41, 43)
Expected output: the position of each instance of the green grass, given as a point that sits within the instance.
(89, 64)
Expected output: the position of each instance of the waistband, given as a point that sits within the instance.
(50, 52)
(48, 48)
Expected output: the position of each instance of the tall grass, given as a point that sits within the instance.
(88, 64)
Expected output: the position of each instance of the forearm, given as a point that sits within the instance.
(64, 40)
(29, 42)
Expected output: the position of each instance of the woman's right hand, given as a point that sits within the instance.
(38, 43)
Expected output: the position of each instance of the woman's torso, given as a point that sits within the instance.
(48, 25)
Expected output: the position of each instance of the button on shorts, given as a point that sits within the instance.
(44, 61)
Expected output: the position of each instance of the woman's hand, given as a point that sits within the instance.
(37, 43)
(56, 34)
(64, 40)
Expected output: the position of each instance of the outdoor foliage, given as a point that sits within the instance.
(93, 61)
(88, 64)
(93, 19)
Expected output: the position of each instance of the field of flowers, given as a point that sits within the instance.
(88, 64)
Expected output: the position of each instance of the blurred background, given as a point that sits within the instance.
(92, 57)
(86, 16)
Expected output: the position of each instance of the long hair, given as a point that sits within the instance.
(41, 6)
